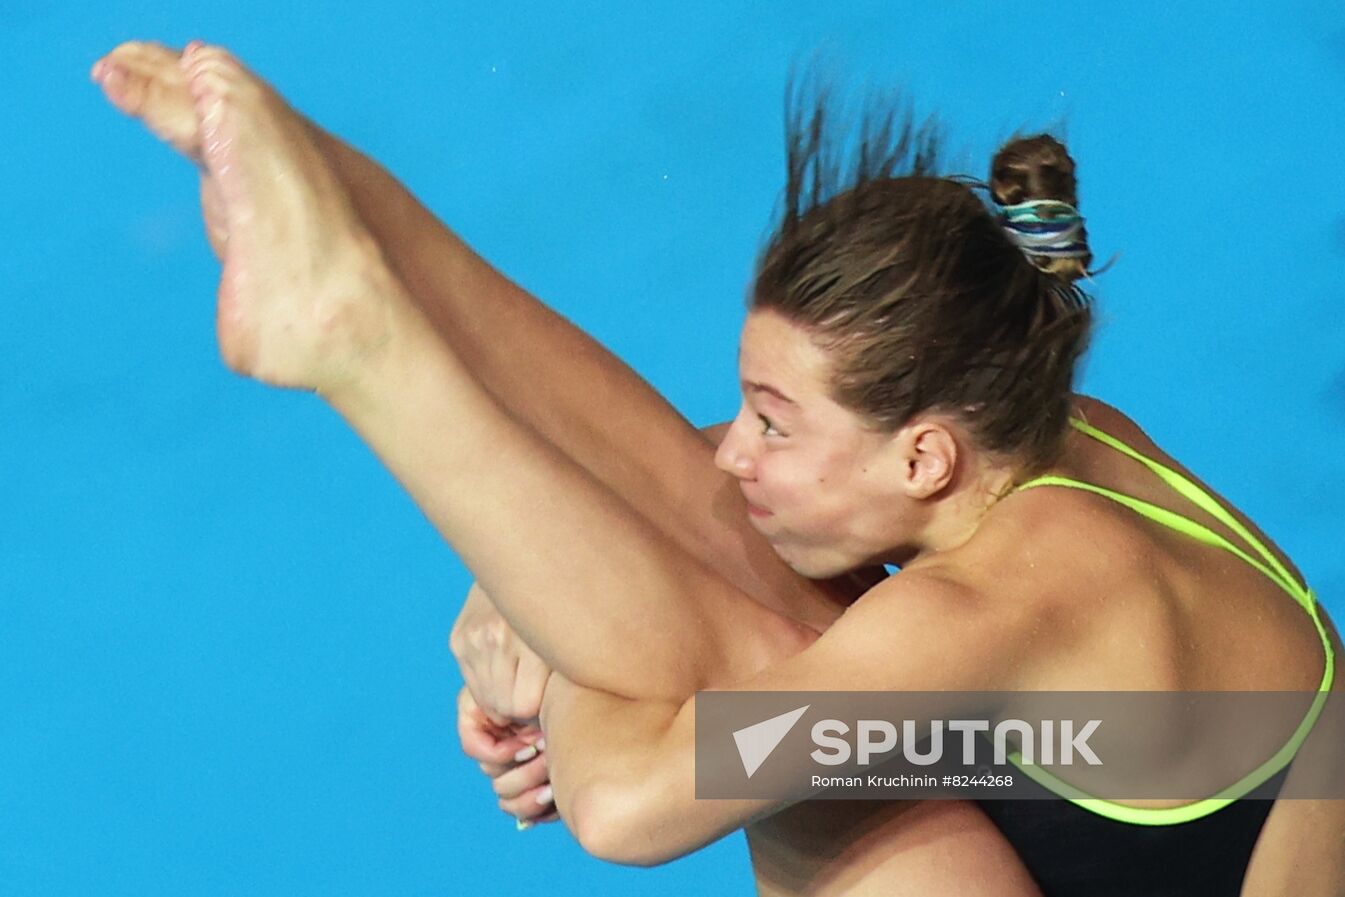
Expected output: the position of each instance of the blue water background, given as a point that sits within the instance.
(222, 625)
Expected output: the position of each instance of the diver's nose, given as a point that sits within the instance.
(737, 454)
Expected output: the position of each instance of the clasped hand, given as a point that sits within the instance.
(499, 706)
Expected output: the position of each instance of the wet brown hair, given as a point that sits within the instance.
(912, 285)
(1039, 168)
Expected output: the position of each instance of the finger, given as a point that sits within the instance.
(525, 824)
(482, 698)
(529, 732)
(481, 743)
(503, 671)
(502, 720)
(525, 753)
(469, 706)
(521, 778)
(531, 805)
(530, 686)
(481, 740)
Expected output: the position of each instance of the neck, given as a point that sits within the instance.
(956, 513)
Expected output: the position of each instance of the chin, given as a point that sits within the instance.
(813, 564)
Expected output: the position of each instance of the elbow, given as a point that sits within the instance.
(616, 824)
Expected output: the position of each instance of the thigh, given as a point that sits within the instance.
(885, 849)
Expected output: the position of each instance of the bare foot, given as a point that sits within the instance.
(304, 296)
(144, 81)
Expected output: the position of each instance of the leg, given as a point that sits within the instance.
(324, 313)
(305, 300)
(552, 377)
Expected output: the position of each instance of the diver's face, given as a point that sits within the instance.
(820, 484)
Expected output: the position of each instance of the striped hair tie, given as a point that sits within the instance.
(1045, 227)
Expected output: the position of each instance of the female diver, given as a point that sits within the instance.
(907, 374)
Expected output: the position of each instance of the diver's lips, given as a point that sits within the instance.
(759, 513)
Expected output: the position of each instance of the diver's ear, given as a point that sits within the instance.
(930, 456)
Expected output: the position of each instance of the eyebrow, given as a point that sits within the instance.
(763, 387)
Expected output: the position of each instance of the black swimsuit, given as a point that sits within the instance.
(1096, 848)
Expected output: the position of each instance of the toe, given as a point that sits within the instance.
(217, 79)
(187, 61)
(221, 63)
(209, 91)
(143, 80)
(122, 90)
(149, 55)
(199, 53)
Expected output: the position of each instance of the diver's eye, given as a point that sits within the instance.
(767, 428)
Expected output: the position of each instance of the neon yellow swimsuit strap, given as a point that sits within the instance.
(1169, 519)
(1269, 565)
(1187, 812)
(1183, 485)
(1200, 498)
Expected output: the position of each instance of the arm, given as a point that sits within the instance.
(499, 706)
(623, 770)
(1301, 849)
(505, 683)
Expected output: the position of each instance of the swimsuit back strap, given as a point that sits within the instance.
(1175, 521)
(1304, 597)
(1201, 499)
(1267, 564)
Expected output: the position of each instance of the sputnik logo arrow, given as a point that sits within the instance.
(756, 742)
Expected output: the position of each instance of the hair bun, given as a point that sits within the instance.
(1040, 168)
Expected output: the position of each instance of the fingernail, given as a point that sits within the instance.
(545, 796)
(113, 79)
(541, 744)
(526, 754)
(522, 825)
(98, 68)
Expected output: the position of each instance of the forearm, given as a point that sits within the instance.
(624, 777)
(626, 781)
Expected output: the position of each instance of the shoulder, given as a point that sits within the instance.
(940, 629)
(1112, 421)
(1042, 567)
(931, 589)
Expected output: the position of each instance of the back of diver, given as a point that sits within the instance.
(1098, 848)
